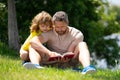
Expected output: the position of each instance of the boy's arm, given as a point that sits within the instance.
(37, 42)
(26, 44)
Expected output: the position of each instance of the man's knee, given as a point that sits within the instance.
(82, 44)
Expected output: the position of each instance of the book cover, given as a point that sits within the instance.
(68, 55)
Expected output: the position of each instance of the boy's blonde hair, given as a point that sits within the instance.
(41, 18)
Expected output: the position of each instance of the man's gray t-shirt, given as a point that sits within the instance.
(61, 43)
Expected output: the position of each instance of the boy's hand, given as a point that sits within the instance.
(53, 54)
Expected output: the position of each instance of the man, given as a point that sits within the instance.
(60, 40)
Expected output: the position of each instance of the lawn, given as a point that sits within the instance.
(11, 69)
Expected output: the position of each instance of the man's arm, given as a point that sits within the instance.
(74, 48)
(74, 45)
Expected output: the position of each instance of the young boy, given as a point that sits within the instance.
(42, 22)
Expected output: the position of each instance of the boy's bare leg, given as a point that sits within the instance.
(34, 56)
(35, 59)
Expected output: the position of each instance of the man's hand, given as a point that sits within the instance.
(60, 57)
(65, 59)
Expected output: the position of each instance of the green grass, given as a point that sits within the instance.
(11, 69)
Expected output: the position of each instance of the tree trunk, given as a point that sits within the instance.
(13, 37)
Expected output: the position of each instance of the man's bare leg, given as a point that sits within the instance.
(84, 58)
(84, 55)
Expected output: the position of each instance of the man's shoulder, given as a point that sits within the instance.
(73, 29)
(48, 34)
(76, 33)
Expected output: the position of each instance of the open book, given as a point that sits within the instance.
(68, 55)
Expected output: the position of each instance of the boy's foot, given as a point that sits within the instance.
(88, 70)
(23, 62)
(30, 65)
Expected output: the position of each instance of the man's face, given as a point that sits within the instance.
(60, 27)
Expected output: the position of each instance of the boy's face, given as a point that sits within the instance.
(44, 27)
(60, 27)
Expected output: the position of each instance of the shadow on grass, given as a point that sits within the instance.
(5, 51)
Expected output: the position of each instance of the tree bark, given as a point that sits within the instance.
(13, 37)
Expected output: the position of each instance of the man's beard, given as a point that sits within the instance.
(61, 32)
